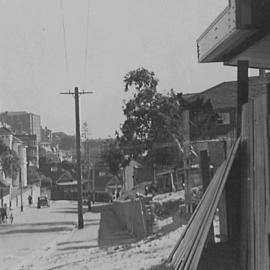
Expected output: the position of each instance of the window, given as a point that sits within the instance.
(223, 118)
(101, 174)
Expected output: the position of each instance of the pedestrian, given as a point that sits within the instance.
(11, 218)
(89, 204)
(3, 215)
(30, 200)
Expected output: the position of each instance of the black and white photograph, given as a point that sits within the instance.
(134, 134)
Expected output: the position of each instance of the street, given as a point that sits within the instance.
(47, 238)
(36, 231)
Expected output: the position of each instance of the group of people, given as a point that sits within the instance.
(4, 215)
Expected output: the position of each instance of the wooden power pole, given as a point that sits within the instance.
(76, 95)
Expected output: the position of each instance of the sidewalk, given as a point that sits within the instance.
(79, 240)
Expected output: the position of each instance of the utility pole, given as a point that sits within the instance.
(21, 187)
(76, 95)
(94, 181)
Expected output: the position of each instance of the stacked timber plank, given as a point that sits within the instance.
(188, 250)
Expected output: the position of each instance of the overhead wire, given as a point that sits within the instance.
(65, 43)
(86, 46)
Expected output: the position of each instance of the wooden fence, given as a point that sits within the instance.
(255, 227)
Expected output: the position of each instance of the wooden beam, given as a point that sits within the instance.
(242, 91)
(186, 142)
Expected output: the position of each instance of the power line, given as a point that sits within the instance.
(65, 41)
(86, 45)
(77, 94)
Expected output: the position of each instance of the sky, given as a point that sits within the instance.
(123, 35)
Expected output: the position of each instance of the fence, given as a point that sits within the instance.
(255, 230)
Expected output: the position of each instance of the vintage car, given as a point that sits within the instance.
(43, 201)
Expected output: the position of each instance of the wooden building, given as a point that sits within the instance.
(240, 36)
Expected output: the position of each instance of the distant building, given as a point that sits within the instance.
(46, 135)
(99, 177)
(23, 123)
(32, 148)
(95, 149)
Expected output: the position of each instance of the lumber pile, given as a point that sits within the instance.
(187, 252)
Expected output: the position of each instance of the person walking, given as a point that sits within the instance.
(30, 200)
(4, 215)
(11, 218)
(89, 204)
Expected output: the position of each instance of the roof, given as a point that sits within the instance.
(15, 113)
(113, 181)
(66, 177)
(224, 95)
(5, 131)
(72, 183)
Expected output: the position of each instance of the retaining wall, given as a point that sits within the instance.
(34, 191)
(132, 215)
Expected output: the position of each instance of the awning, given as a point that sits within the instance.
(240, 26)
(187, 252)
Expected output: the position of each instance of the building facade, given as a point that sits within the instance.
(23, 123)
(18, 146)
(32, 149)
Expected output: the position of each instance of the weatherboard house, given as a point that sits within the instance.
(239, 36)
(223, 98)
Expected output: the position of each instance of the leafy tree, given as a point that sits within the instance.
(151, 117)
(85, 131)
(154, 119)
(46, 181)
(33, 175)
(70, 167)
(115, 159)
(202, 119)
(9, 161)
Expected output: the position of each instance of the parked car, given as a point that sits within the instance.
(43, 201)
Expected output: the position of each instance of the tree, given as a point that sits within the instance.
(154, 119)
(151, 117)
(115, 159)
(46, 181)
(202, 119)
(85, 131)
(33, 175)
(9, 161)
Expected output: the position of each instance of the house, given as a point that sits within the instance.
(65, 187)
(114, 186)
(100, 177)
(223, 98)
